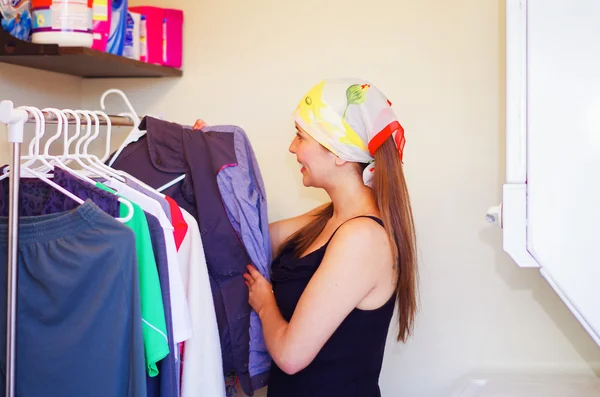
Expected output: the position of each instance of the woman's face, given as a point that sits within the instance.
(316, 163)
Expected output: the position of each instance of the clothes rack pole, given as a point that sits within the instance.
(11, 280)
(115, 121)
(16, 119)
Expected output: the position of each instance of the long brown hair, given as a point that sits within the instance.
(393, 201)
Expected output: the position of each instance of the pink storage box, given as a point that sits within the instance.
(164, 35)
(154, 32)
(173, 53)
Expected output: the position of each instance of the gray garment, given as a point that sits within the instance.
(79, 323)
(150, 193)
(243, 192)
(165, 383)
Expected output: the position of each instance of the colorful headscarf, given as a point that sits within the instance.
(351, 118)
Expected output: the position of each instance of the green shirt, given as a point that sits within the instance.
(154, 328)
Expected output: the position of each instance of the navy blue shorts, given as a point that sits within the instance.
(78, 307)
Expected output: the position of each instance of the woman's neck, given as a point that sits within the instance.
(351, 199)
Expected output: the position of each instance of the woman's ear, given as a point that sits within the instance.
(339, 161)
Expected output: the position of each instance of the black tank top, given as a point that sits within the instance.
(349, 363)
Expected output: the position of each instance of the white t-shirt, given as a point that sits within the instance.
(202, 363)
(180, 313)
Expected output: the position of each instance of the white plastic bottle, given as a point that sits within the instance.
(67, 23)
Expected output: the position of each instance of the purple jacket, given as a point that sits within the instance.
(224, 191)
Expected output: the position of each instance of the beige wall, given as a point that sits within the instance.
(442, 65)
(28, 87)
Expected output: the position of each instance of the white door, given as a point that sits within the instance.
(550, 212)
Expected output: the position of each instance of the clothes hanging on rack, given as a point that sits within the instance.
(161, 199)
(188, 304)
(202, 373)
(78, 302)
(192, 274)
(156, 343)
(179, 222)
(37, 198)
(224, 192)
(149, 231)
(182, 328)
(76, 297)
(166, 383)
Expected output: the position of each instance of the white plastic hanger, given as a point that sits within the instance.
(131, 114)
(108, 132)
(121, 174)
(52, 160)
(66, 141)
(26, 171)
(40, 130)
(37, 114)
(94, 160)
(67, 157)
(135, 133)
(141, 183)
(63, 120)
(173, 182)
(64, 131)
(79, 156)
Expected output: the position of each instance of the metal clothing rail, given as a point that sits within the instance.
(115, 121)
(15, 119)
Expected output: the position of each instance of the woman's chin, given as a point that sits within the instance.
(306, 181)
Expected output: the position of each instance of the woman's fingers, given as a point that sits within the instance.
(199, 124)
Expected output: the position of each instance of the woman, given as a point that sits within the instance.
(340, 268)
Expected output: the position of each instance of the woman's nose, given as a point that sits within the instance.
(292, 147)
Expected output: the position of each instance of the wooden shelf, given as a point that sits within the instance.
(76, 61)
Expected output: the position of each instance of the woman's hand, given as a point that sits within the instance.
(199, 124)
(260, 290)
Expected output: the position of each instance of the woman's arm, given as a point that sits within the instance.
(349, 271)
